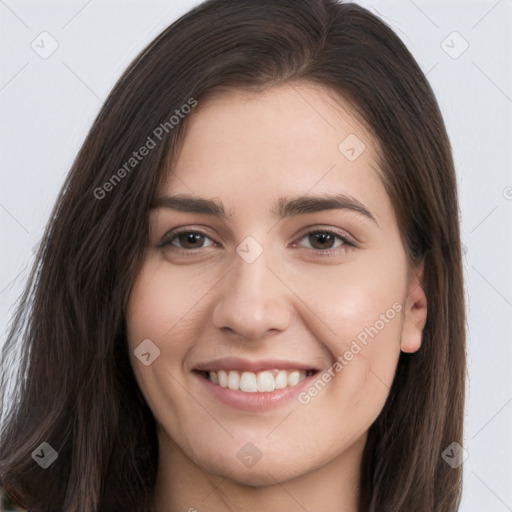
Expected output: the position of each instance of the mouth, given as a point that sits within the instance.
(253, 385)
(266, 381)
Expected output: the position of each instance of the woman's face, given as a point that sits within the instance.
(302, 285)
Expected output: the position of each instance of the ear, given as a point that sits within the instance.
(415, 314)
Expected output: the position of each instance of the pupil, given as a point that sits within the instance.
(322, 237)
(186, 238)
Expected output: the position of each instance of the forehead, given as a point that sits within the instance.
(292, 139)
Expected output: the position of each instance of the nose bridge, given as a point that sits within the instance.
(252, 279)
(253, 300)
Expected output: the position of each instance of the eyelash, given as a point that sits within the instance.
(166, 241)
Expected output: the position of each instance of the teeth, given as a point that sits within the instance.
(222, 377)
(281, 380)
(293, 378)
(233, 380)
(250, 382)
(265, 381)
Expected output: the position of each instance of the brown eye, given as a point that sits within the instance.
(321, 240)
(190, 240)
(325, 240)
(184, 240)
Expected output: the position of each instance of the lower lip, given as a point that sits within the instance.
(258, 401)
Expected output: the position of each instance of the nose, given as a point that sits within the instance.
(253, 300)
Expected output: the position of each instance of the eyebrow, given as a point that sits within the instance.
(284, 206)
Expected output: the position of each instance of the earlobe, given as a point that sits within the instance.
(415, 314)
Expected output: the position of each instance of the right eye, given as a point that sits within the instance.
(183, 240)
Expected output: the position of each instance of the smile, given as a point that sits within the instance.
(253, 385)
(251, 382)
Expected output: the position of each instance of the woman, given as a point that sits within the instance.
(190, 338)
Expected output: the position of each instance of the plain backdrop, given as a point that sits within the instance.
(47, 106)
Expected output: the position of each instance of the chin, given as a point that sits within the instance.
(262, 473)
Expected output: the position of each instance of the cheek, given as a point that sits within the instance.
(362, 300)
(164, 306)
(354, 389)
(362, 317)
(157, 311)
(161, 309)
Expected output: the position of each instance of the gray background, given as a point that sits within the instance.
(48, 104)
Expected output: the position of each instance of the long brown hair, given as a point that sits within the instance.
(75, 388)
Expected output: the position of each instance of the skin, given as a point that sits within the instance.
(246, 150)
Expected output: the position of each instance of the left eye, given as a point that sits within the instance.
(324, 239)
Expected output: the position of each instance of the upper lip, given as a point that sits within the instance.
(235, 363)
